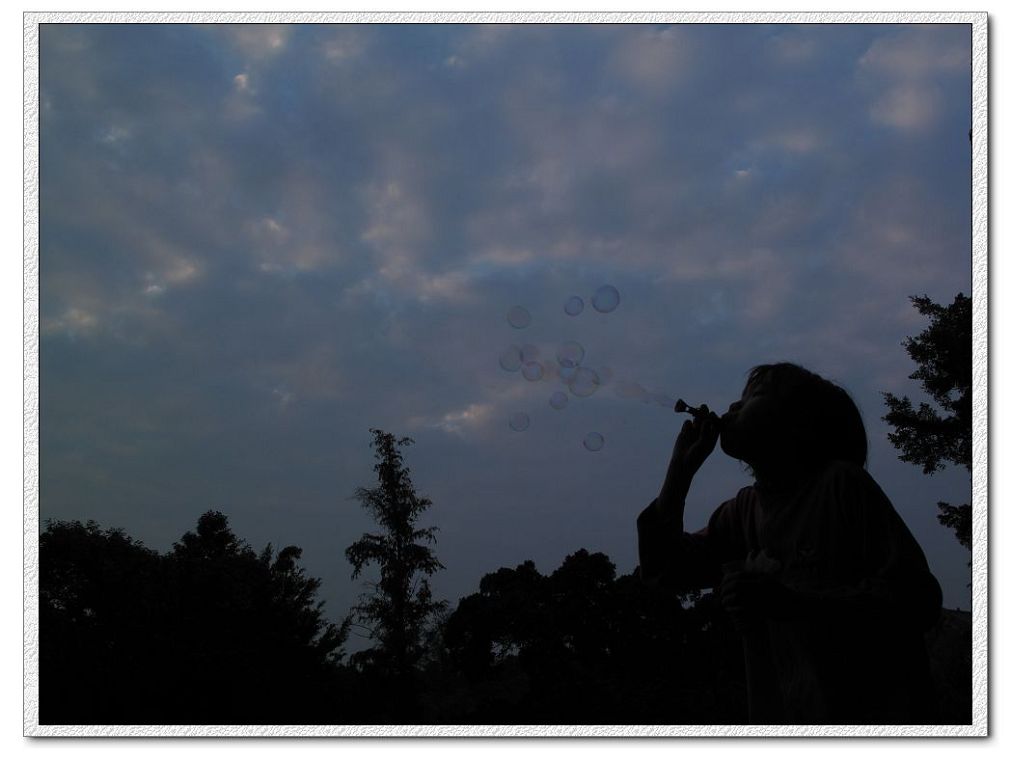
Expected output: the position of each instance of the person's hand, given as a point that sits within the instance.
(749, 597)
(695, 443)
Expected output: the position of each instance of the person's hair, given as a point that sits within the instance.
(822, 414)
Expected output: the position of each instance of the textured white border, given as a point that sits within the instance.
(30, 473)
(980, 94)
(980, 377)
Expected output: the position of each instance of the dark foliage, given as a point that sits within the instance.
(582, 646)
(933, 435)
(214, 633)
(211, 632)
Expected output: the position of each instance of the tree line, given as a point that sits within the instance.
(215, 632)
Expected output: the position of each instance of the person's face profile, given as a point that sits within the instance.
(751, 423)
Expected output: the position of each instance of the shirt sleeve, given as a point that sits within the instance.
(670, 557)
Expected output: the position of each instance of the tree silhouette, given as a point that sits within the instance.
(583, 646)
(399, 606)
(926, 436)
(250, 625)
(211, 632)
(101, 607)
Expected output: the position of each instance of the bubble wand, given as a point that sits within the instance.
(680, 406)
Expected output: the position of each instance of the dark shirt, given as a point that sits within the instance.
(856, 654)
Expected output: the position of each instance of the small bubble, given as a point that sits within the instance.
(574, 306)
(593, 442)
(606, 373)
(570, 354)
(511, 359)
(519, 421)
(518, 317)
(585, 382)
(533, 371)
(558, 400)
(566, 374)
(606, 299)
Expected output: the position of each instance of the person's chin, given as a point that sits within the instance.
(729, 446)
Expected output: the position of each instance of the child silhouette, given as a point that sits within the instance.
(829, 589)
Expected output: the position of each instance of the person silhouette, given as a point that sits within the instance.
(828, 588)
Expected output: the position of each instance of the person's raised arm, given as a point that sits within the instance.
(667, 554)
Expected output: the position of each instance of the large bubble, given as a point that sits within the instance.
(574, 306)
(570, 354)
(593, 442)
(533, 371)
(519, 421)
(606, 299)
(518, 317)
(511, 359)
(529, 353)
(567, 374)
(585, 382)
(558, 400)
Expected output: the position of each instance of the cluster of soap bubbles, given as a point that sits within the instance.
(577, 379)
(605, 300)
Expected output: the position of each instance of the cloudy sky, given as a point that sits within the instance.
(258, 241)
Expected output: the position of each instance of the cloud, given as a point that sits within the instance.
(342, 43)
(256, 42)
(905, 69)
(459, 421)
(795, 45)
(917, 52)
(74, 321)
(655, 60)
(907, 107)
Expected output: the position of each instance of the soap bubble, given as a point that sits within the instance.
(533, 371)
(574, 306)
(529, 353)
(519, 421)
(593, 442)
(511, 359)
(570, 354)
(585, 382)
(606, 299)
(567, 374)
(605, 373)
(518, 317)
(558, 400)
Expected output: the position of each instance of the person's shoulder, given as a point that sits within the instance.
(844, 477)
(729, 516)
(842, 469)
